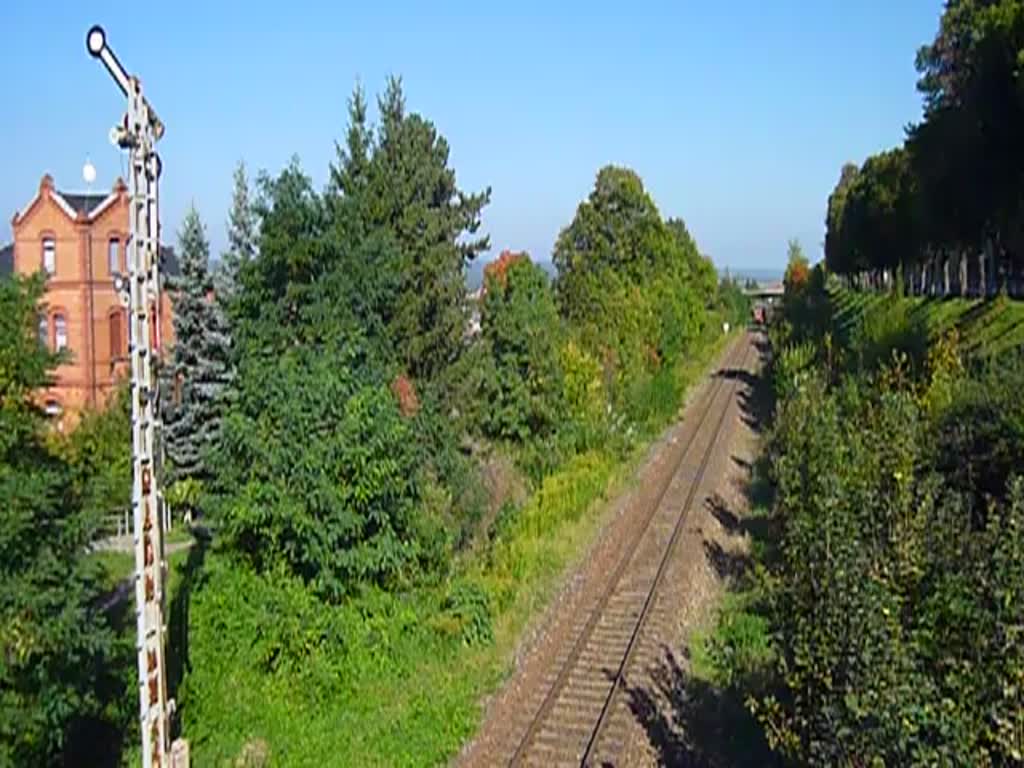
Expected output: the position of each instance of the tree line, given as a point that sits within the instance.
(943, 213)
(330, 414)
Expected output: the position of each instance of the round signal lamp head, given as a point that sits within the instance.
(96, 40)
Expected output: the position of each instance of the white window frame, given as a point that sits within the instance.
(50, 255)
(60, 332)
(114, 255)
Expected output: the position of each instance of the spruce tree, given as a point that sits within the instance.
(401, 187)
(242, 238)
(349, 177)
(200, 368)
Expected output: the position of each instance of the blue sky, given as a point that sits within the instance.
(737, 115)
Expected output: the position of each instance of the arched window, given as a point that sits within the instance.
(44, 331)
(114, 256)
(117, 346)
(50, 255)
(60, 332)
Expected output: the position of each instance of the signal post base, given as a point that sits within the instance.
(179, 754)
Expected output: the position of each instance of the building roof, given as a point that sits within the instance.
(6, 260)
(84, 202)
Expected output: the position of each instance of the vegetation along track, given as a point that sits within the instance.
(579, 722)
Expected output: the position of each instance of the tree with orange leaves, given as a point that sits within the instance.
(798, 269)
(497, 270)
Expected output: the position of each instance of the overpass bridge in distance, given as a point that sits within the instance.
(768, 293)
(764, 298)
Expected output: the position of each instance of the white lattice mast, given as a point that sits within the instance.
(138, 133)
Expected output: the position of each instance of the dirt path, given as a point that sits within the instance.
(591, 682)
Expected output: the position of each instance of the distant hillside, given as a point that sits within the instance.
(475, 272)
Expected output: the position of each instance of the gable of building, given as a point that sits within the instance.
(76, 206)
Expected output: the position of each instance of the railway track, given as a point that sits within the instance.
(581, 720)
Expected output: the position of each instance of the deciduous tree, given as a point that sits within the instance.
(520, 325)
(54, 641)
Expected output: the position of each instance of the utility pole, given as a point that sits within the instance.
(138, 133)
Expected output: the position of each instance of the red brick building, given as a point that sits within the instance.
(79, 241)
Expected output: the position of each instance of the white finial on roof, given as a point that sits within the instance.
(89, 173)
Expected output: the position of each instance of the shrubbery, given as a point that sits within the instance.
(100, 457)
(897, 594)
(894, 603)
(319, 472)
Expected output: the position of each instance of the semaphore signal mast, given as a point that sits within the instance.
(138, 133)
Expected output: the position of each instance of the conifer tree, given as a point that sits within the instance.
(409, 194)
(350, 175)
(242, 239)
(200, 369)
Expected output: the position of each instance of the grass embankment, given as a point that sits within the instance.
(394, 678)
(984, 327)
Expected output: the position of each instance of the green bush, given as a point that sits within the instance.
(740, 648)
(583, 392)
(318, 471)
(98, 452)
(266, 654)
(632, 287)
(735, 304)
(271, 663)
(979, 437)
(653, 399)
(451, 490)
(791, 367)
(561, 498)
(470, 606)
(682, 314)
(620, 330)
(184, 495)
(893, 604)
